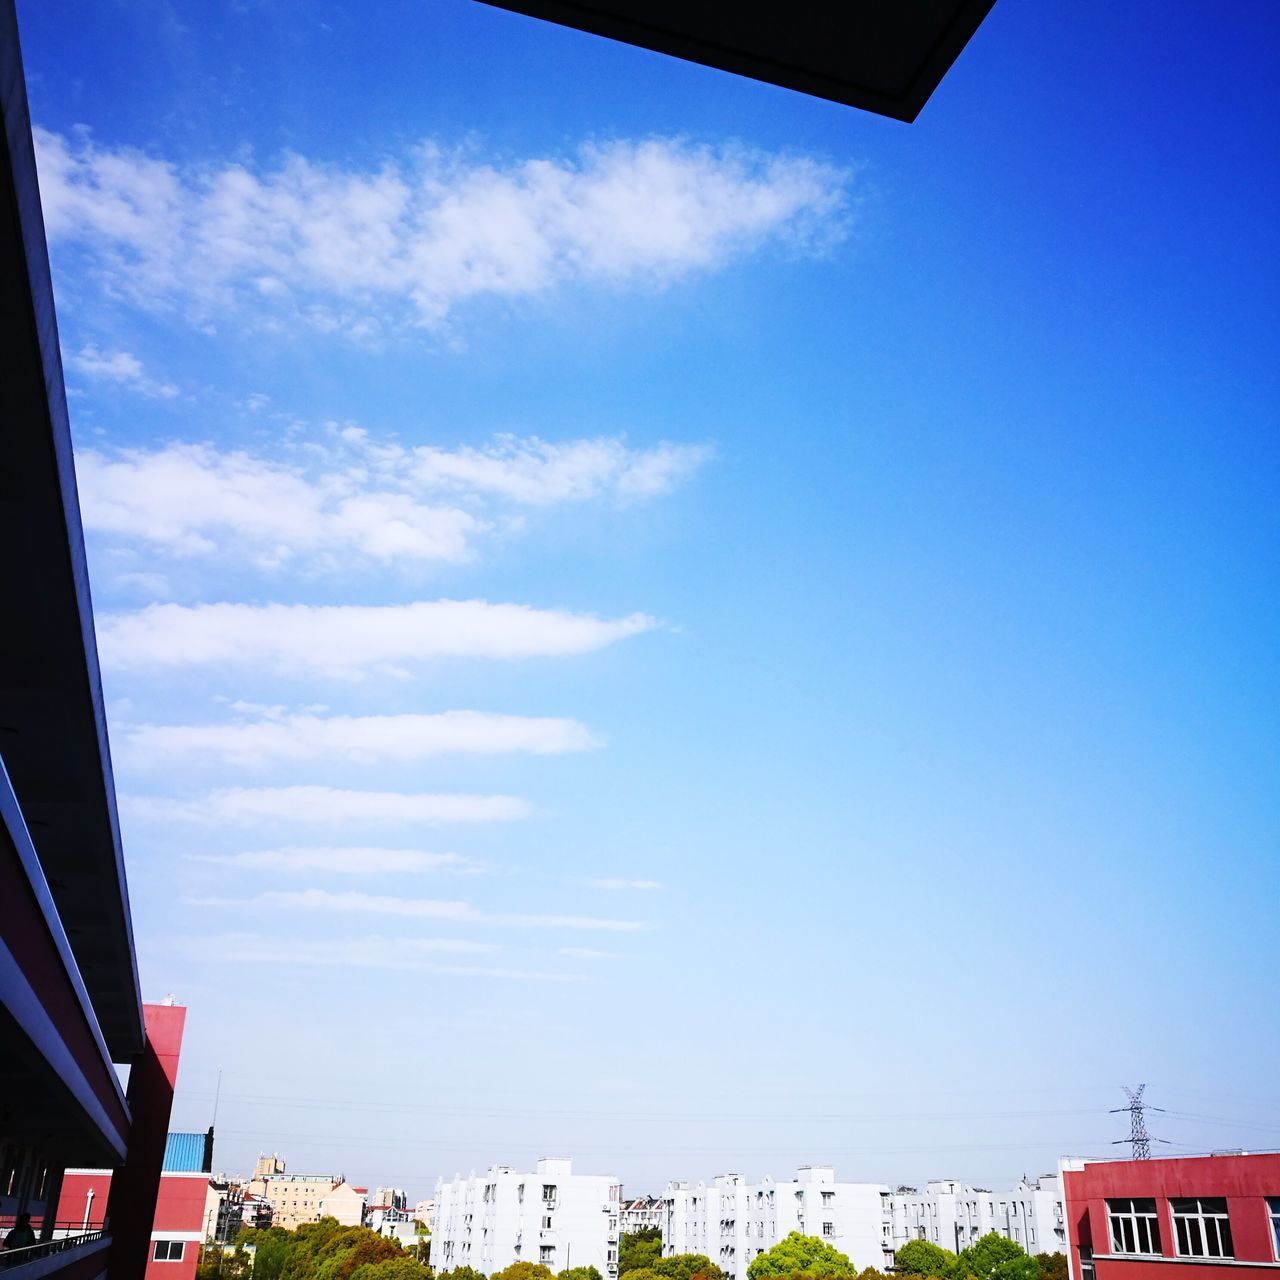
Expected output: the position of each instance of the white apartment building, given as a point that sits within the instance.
(730, 1221)
(553, 1216)
(954, 1215)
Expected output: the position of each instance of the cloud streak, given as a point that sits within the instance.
(352, 496)
(319, 806)
(330, 860)
(355, 739)
(350, 250)
(351, 640)
(355, 903)
(121, 367)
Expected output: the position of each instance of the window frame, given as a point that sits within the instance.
(1140, 1223)
(1273, 1217)
(169, 1246)
(1203, 1220)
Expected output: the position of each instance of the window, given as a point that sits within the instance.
(548, 1193)
(166, 1250)
(546, 1222)
(1273, 1211)
(828, 1197)
(1134, 1226)
(828, 1228)
(547, 1253)
(1201, 1228)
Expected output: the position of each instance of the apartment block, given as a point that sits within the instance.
(730, 1220)
(553, 1216)
(294, 1198)
(954, 1215)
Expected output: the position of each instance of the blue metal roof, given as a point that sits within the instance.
(184, 1153)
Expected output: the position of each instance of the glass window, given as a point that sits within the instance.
(1134, 1226)
(1273, 1212)
(1201, 1228)
(167, 1250)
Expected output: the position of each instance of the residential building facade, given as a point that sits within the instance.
(643, 1213)
(294, 1197)
(954, 1215)
(730, 1220)
(553, 1216)
(1185, 1218)
(345, 1203)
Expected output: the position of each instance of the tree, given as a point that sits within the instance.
(579, 1273)
(1053, 1266)
(995, 1258)
(798, 1255)
(462, 1273)
(922, 1258)
(523, 1271)
(402, 1268)
(638, 1249)
(870, 1273)
(686, 1266)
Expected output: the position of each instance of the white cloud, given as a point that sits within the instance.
(356, 496)
(355, 903)
(618, 884)
(195, 500)
(349, 249)
(416, 955)
(587, 953)
(349, 640)
(318, 806)
(119, 366)
(538, 473)
(358, 739)
(361, 861)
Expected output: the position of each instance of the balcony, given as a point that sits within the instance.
(69, 1255)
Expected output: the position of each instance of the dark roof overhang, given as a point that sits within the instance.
(53, 731)
(886, 56)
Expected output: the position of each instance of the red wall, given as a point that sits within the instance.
(1244, 1180)
(179, 1209)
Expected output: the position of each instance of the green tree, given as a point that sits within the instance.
(1053, 1266)
(638, 1249)
(921, 1258)
(523, 1271)
(995, 1258)
(798, 1255)
(686, 1266)
(870, 1273)
(401, 1268)
(579, 1273)
(462, 1273)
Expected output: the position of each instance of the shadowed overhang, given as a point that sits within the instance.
(885, 56)
(53, 734)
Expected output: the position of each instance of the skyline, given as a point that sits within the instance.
(552, 534)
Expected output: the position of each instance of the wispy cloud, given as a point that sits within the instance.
(355, 903)
(350, 640)
(320, 806)
(348, 495)
(357, 739)
(414, 955)
(331, 860)
(121, 367)
(619, 885)
(351, 250)
(587, 953)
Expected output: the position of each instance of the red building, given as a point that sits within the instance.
(1188, 1218)
(183, 1216)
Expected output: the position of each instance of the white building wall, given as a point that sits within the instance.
(954, 1215)
(552, 1216)
(731, 1221)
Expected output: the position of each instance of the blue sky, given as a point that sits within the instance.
(654, 618)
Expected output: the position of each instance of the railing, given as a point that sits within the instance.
(11, 1258)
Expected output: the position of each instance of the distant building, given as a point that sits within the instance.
(255, 1211)
(345, 1203)
(425, 1212)
(1186, 1218)
(294, 1197)
(730, 1220)
(553, 1216)
(223, 1209)
(396, 1197)
(644, 1213)
(954, 1215)
(266, 1166)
